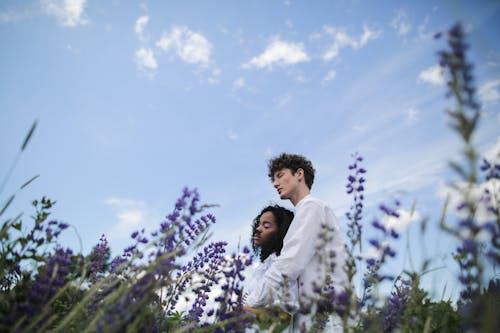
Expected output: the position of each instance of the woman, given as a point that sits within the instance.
(268, 231)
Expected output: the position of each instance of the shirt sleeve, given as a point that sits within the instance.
(298, 250)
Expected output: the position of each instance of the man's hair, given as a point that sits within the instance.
(292, 162)
(283, 219)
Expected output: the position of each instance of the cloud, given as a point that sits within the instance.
(400, 223)
(400, 24)
(140, 24)
(330, 75)
(279, 53)
(131, 215)
(239, 83)
(341, 40)
(432, 75)
(282, 100)
(456, 192)
(190, 46)
(145, 58)
(232, 135)
(483, 194)
(423, 34)
(14, 16)
(492, 154)
(411, 115)
(69, 13)
(214, 78)
(488, 92)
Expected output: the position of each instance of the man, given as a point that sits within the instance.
(313, 250)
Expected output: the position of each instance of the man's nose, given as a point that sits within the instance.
(275, 183)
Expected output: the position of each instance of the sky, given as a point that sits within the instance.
(137, 99)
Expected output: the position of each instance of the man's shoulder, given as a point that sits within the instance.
(310, 200)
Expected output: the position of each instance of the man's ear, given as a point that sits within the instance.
(300, 173)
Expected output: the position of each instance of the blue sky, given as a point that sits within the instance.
(136, 100)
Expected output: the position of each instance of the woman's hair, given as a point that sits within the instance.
(283, 219)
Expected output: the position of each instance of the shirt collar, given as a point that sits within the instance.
(304, 199)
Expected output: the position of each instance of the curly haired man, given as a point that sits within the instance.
(313, 250)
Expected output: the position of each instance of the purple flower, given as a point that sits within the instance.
(51, 277)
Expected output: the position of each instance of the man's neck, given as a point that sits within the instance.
(299, 196)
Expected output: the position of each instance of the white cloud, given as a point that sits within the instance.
(131, 215)
(69, 13)
(145, 58)
(239, 83)
(493, 152)
(411, 115)
(330, 75)
(341, 40)
(281, 101)
(232, 135)
(14, 16)
(279, 53)
(190, 46)
(456, 196)
(432, 75)
(401, 222)
(400, 23)
(140, 24)
(488, 92)
(422, 30)
(215, 76)
(373, 252)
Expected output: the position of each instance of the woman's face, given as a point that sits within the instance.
(265, 230)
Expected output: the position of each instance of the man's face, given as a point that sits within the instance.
(286, 183)
(266, 229)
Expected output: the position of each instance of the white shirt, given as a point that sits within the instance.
(300, 259)
(286, 299)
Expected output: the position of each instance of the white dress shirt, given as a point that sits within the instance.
(303, 259)
(286, 299)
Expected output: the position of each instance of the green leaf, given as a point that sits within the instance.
(29, 181)
(9, 201)
(18, 225)
(29, 135)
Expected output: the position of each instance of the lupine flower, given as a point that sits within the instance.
(230, 302)
(355, 189)
(372, 275)
(51, 277)
(99, 257)
(396, 305)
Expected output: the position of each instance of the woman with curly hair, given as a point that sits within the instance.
(268, 231)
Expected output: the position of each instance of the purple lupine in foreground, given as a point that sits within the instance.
(50, 279)
(355, 187)
(396, 304)
(230, 301)
(149, 272)
(99, 258)
(464, 119)
(381, 244)
(206, 263)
